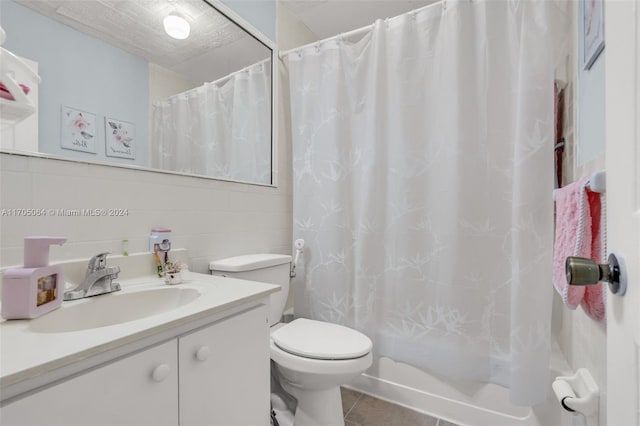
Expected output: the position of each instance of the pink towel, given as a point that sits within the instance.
(579, 232)
(5, 94)
(594, 301)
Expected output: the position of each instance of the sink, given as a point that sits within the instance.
(112, 309)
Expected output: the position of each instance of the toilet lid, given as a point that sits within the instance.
(321, 340)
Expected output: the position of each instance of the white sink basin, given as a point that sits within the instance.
(114, 308)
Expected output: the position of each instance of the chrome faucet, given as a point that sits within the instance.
(97, 280)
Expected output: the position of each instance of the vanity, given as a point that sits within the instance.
(151, 354)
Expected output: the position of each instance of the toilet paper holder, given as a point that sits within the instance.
(578, 393)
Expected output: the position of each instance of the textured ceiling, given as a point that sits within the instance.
(327, 18)
(136, 26)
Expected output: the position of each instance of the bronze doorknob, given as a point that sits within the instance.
(581, 271)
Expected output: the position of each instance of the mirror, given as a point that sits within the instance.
(117, 88)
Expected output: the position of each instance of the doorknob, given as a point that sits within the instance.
(581, 271)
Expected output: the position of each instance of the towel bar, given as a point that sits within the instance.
(596, 183)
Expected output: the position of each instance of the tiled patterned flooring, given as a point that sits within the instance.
(365, 410)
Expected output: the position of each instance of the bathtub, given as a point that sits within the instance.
(465, 404)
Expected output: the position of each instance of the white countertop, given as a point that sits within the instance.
(27, 352)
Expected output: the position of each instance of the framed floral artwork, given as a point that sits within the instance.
(78, 130)
(592, 31)
(120, 138)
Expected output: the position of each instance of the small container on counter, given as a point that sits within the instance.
(37, 287)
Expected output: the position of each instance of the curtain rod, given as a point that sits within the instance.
(356, 31)
(220, 80)
(228, 76)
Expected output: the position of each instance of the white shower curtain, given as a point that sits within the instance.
(423, 175)
(220, 129)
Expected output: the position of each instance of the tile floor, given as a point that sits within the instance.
(365, 410)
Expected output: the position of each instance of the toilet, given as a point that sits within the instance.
(312, 358)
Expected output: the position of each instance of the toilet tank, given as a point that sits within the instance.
(266, 268)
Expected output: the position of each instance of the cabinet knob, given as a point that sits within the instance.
(203, 353)
(161, 372)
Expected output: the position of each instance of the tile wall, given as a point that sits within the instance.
(212, 219)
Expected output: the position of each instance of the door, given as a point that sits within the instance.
(224, 372)
(622, 33)
(141, 389)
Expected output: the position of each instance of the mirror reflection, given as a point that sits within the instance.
(168, 84)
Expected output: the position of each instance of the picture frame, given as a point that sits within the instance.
(120, 138)
(592, 31)
(78, 130)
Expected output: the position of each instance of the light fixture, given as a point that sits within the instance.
(176, 26)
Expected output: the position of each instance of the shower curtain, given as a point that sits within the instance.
(219, 129)
(423, 173)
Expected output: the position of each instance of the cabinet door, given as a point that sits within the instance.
(138, 390)
(224, 372)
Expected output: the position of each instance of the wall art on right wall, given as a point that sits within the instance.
(592, 31)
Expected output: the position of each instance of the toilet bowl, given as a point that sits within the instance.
(312, 358)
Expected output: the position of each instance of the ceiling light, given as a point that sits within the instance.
(176, 26)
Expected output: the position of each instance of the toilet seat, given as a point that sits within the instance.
(315, 382)
(321, 340)
(319, 368)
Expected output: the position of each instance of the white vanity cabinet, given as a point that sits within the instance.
(141, 389)
(224, 372)
(213, 373)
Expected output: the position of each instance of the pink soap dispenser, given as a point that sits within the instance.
(36, 288)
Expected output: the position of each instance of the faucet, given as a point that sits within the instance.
(97, 280)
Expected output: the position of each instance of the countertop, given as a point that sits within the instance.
(28, 350)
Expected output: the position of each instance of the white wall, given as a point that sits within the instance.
(291, 33)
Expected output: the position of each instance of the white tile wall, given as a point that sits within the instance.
(211, 219)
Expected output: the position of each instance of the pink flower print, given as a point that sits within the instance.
(120, 134)
(81, 125)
